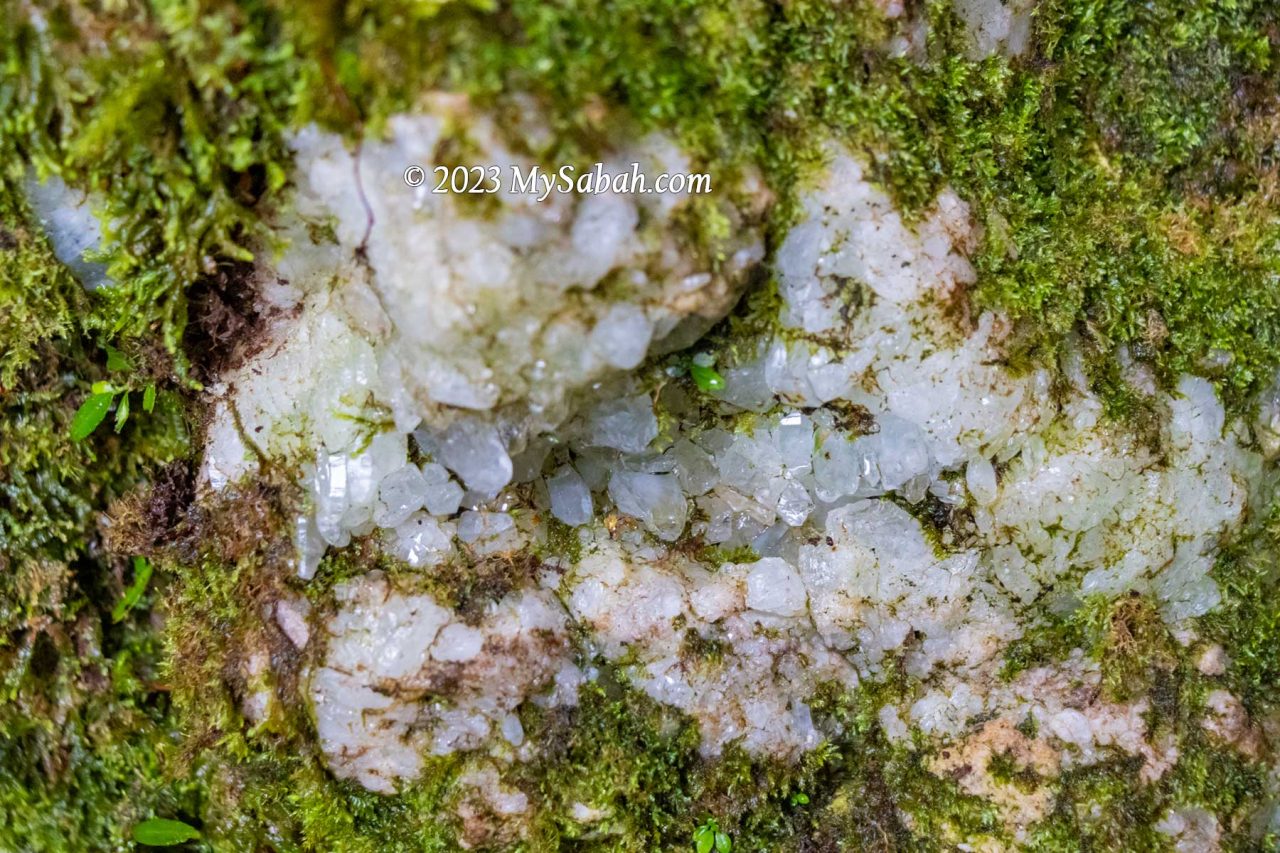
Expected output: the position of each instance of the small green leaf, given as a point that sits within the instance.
(122, 411)
(132, 595)
(89, 415)
(704, 839)
(160, 832)
(723, 842)
(116, 360)
(149, 398)
(706, 378)
(275, 176)
(103, 388)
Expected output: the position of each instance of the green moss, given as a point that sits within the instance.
(1089, 161)
(1247, 623)
(86, 730)
(637, 763)
(40, 297)
(714, 555)
(1126, 636)
(49, 483)
(1052, 637)
(614, 752)
(563, 541)
(1086, 188)
(285, 798)
(872, 780)
(697, 649)
(1121, 168)
(1005, 768)
(1111, 805)
(1134, 646)
(266, 784)
(175, 118)
(1101, 806)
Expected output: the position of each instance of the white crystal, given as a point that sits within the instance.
(599, 237)
(475, 452)
(387, 452)
(694, 467)
(332, 498)
(980, 477)
(442, 496)
(457, 643)
(570, 497)
(400, 494)
(794, 504)
(627, 424)
(71, 226)
(422, 541)
(775, 587)
(839, 466)
(488, 532)
(310, 546)
(512, 730)
(795, 440)
(745, 387)
(903, 452)
(654, 499)
(622, 336)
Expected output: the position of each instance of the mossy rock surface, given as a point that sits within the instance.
(1124, 170)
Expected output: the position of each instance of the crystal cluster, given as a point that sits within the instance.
(870, 484)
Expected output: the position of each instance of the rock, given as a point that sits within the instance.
(422, 541)
(476, 453)
(775, 587)
(457, 643)
(570, 497)
(794, 504)
(400, 493)
(441, 495)
(71, 225)
(292, 616)
(980, 477)
(655, 499)
(489, 532)
(622, 336)
(1212, 661)
(627, 424)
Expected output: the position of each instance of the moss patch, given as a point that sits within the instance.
(1122, 170)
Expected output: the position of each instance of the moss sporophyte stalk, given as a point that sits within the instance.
(385, 465)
